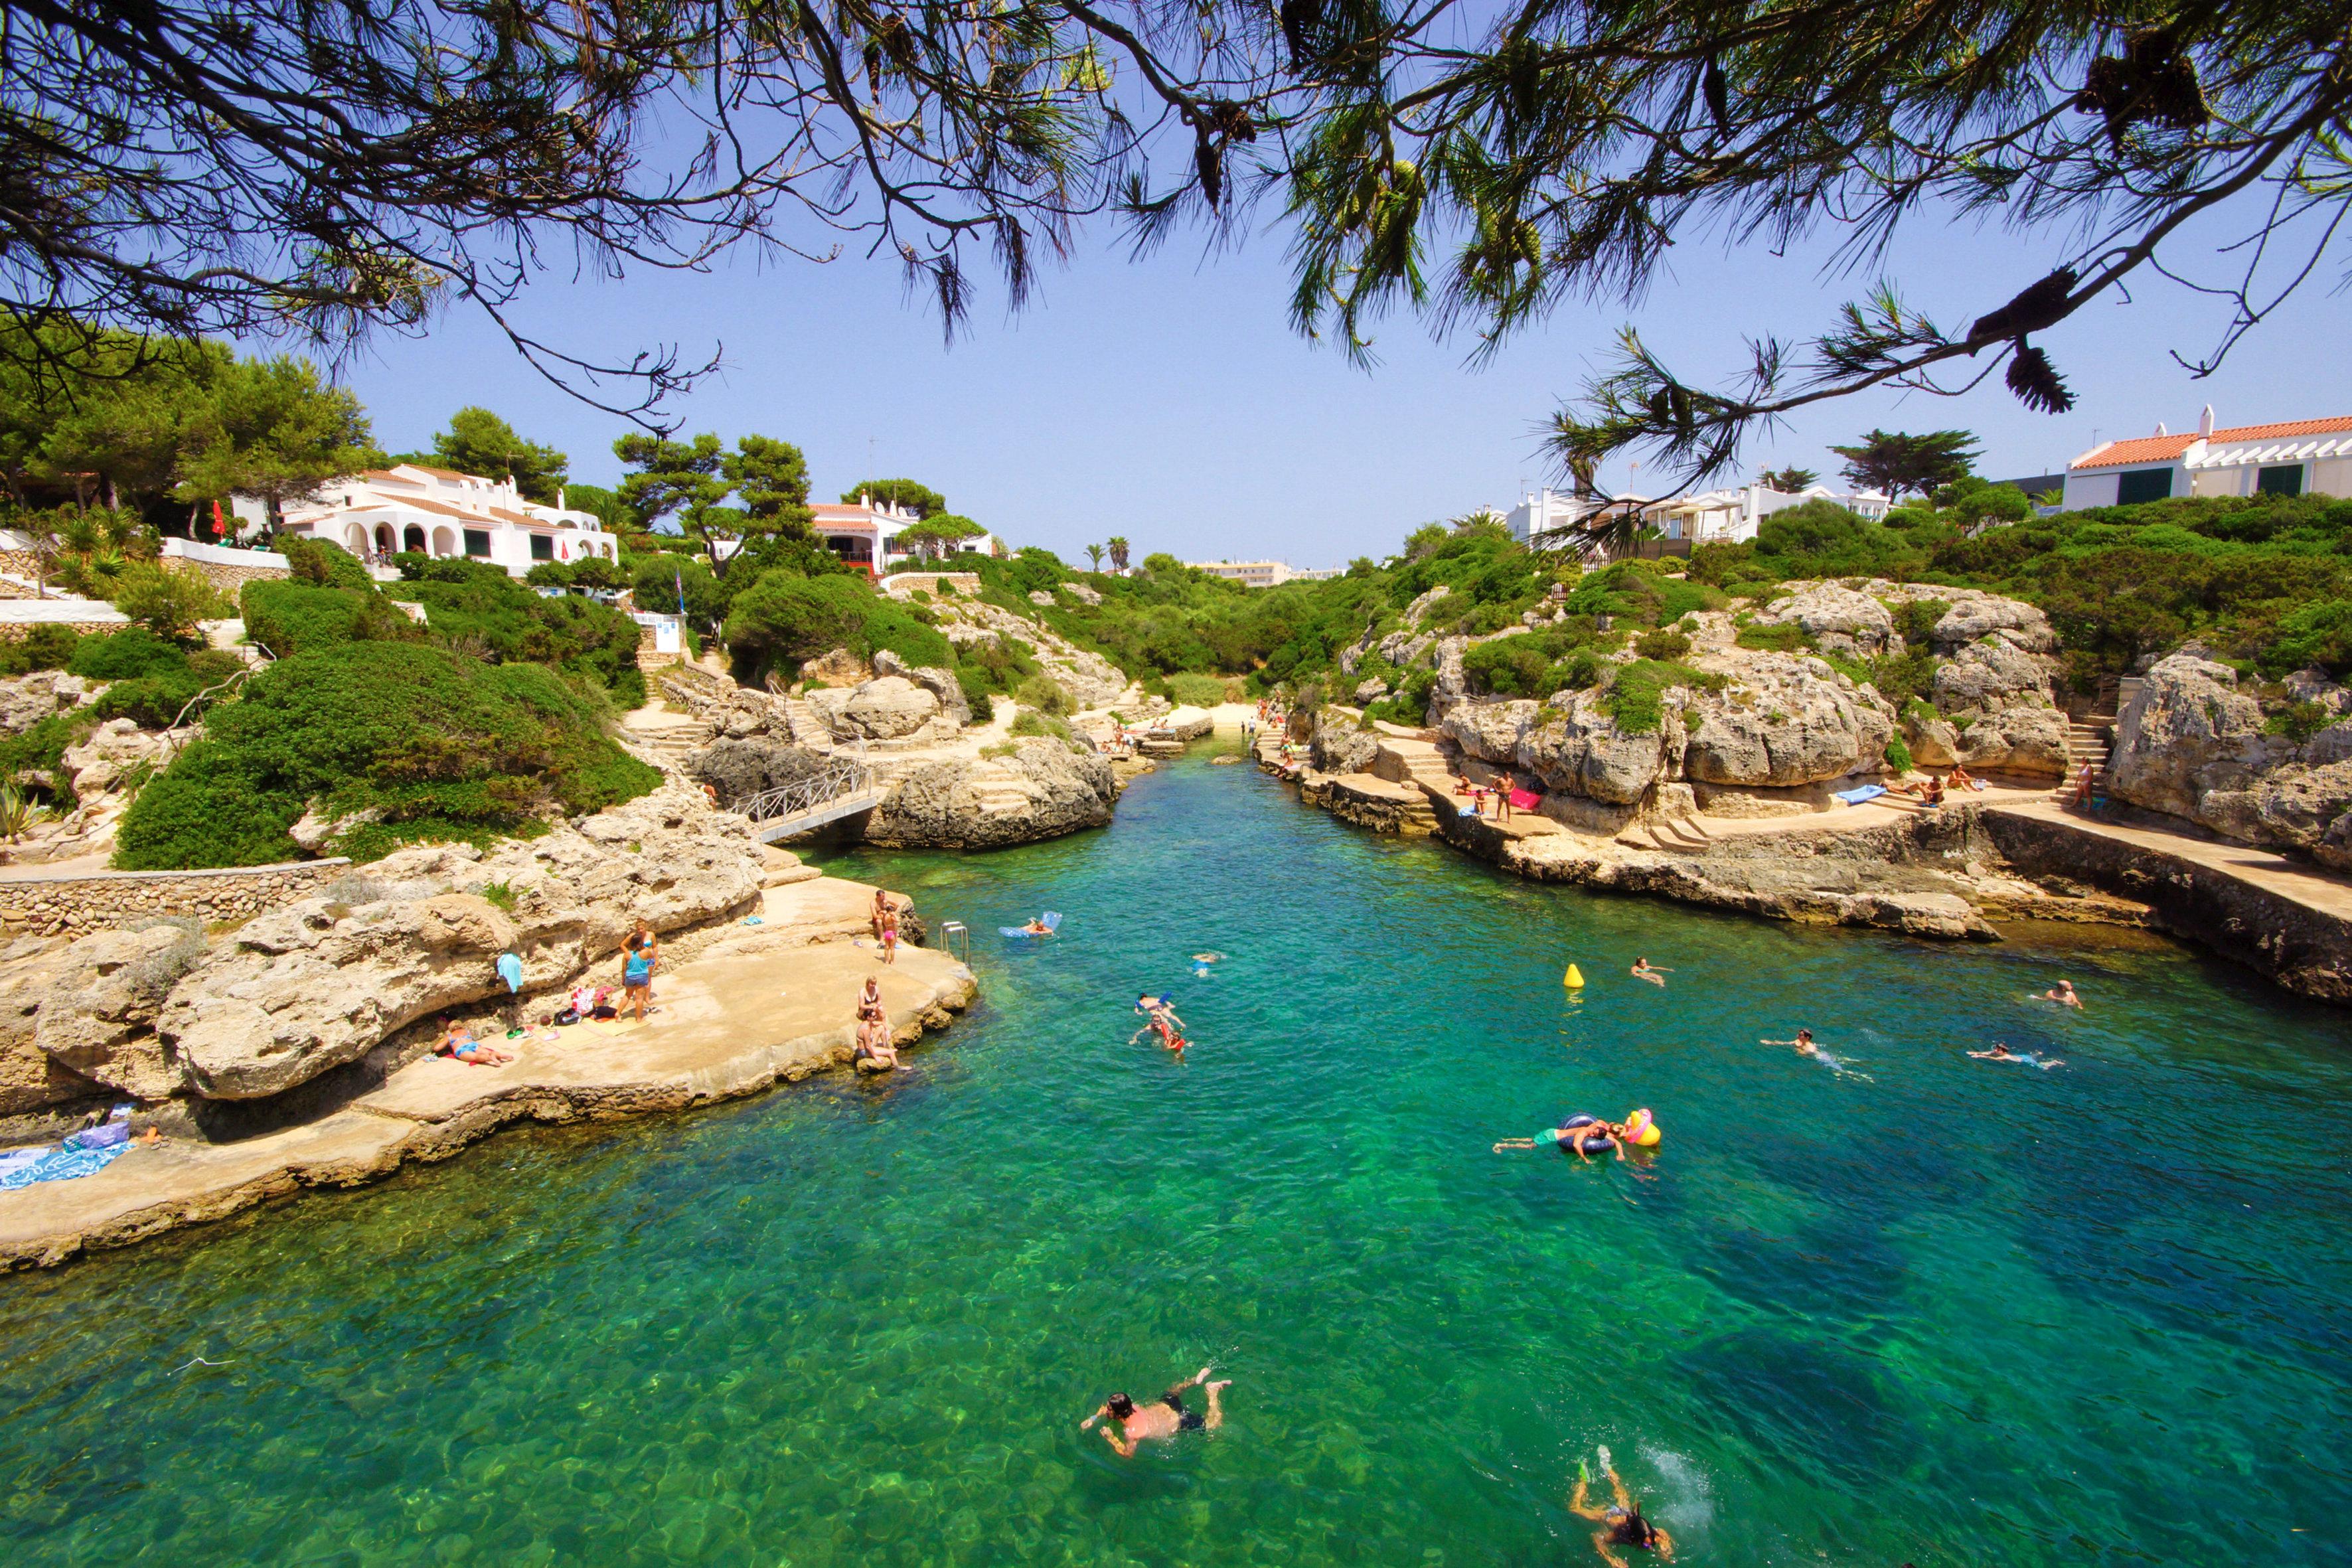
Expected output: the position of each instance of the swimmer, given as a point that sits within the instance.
(2063, 995)
(1038, 927)
(1803, 1041)
(1622, 1522)
(1642, 971)
(2002, 1053)
(1127, 1424)
(1572, 1138)
(1159, 1017)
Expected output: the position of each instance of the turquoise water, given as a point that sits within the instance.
(1929, 1309)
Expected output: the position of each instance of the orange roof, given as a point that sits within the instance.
(2162, 449)
(439, 473)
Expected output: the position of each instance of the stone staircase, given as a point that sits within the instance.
(2091, 741)
(997, 791)
(807, 729)
(669, 743)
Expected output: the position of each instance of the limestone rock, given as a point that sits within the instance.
(1783, 719)
(33, 970)
(320, 982)
(114, 750)
(741, 769)
(1340, 744)
(2189, 730)
(2294, 806)
(1992, 675)
(1041, 598)
(1082, 594)
(1580, 749)
(887, 708)
(27, 699)
(1371, 690)
(954, 706)
(317, 834)
(1835, 616)
(838, 666)
(1970, 615)
(100, 1020)
(1043, 790)
(2015, 740)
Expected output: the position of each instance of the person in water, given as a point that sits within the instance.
(1620, 1522)
(1642, 971)
(2002, 1053)
(1160, 1017)
(1038, 927)
(1572, 1138)
(1127, 1424)
(2063, 995)
(1803, 1041)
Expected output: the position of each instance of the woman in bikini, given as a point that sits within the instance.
(1642, 971)
(456, 1043)
(642, 954)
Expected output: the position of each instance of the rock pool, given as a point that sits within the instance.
(1925, 1309)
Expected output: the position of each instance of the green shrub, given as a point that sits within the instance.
(47, 645)
(289, 617)
(513, 625)
(1781, 637)
(2315, 633)
(1030, 722)
(127, 655)
(1668, 643)
(1199, 690)
(320, 563)
(1916, 620)
(1045, 694)
(785, 617)
(42, 749)
(975, 692)
(1898, 756)
(2300, 721)
(446, 747)
(1635, 699)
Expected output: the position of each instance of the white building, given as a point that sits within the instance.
(869, 534)
(1731, 516)
(1262, 573)
(1547, 513)
(437, 513)
(2297, 457)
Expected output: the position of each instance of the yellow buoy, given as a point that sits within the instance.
(1573, 979)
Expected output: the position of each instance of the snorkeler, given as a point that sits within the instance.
(1621, 1523)
(1127, 1424)
(2002, 1053)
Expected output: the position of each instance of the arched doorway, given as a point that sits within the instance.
(414, 539)
(383, 543)
(444, 541)
(357, 535)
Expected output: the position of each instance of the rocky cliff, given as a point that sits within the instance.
(1037, 788)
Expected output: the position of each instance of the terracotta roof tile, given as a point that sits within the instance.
(2162, 449)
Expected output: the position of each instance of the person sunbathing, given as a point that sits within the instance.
(869, 1001)
(875, 1046)
(456, 1043)
(1960, 778)
(1038, 927)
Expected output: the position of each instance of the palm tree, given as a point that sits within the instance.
(1094, 554)
(1118, 553)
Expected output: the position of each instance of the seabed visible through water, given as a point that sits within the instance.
(1926, 1309)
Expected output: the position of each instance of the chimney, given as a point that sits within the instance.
(2161, 429)
(2205, 423)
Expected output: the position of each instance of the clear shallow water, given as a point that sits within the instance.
(1933, 1309)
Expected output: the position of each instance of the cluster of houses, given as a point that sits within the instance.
(2298, 457)
(439, 512)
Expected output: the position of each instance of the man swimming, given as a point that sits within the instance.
(2063, 995)
(2002, 1053)
(1803, 1041)
(1572, 1138)
(1127, 1424)
(1159, 1017)
(1621, 1523)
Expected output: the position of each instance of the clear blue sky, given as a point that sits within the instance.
(1169, 400)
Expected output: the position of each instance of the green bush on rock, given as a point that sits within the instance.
(440, 745)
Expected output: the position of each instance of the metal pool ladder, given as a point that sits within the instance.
(951, 934)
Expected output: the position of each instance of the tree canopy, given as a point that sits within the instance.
(1909, 465)
(687, 483)
(918, 498)
(478, 442)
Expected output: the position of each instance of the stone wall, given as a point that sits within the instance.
(16, 631)
(94, 900)
(229, 578)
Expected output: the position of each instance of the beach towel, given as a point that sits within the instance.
(1523, 801)
(1467, 811)
(1856, 796)
(61, 1165)
(510, 971)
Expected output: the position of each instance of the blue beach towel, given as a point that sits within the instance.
(1856, 796)
(61, 1165)
(1051, 920)
(510, 971)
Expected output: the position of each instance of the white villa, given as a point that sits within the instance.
(2297, 457)
(1547, 513)
(1262, 574)
(1731, 516)
(435, 512)
(865, 533)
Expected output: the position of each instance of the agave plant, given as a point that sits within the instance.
(17, 812)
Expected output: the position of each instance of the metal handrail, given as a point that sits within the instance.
(840, 779)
